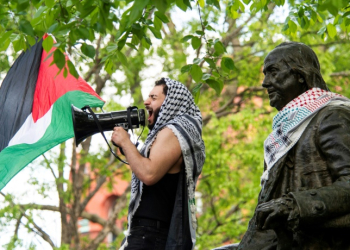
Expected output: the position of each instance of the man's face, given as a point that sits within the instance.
(155, 99)
(281, 84)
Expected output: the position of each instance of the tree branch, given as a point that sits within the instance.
(85, 215)
(122, 201)
(342, 73)
(97, 219)
(40, 231)
(49, 166)
(325, 45)
(235, 33)
(216, 219)
(101, 180)
(17, 225)
(221, 112)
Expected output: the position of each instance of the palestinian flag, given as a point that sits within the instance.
(35, 109)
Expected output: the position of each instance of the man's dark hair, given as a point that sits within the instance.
(163, 83)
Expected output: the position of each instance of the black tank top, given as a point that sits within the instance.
(157, 201)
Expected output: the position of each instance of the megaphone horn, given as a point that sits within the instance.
(85, 125)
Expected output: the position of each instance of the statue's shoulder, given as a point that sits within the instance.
(335, 110)
(332, 117)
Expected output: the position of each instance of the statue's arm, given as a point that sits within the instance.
(326, 204)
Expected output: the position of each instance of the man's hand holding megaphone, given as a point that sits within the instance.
(120, 136)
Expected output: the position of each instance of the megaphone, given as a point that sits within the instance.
(85, 125)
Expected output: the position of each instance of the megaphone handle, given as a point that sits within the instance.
(120, 149)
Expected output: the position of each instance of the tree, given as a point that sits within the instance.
(112, 42)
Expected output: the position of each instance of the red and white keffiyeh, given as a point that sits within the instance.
(289, 124)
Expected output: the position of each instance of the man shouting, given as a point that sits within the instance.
(165, 171)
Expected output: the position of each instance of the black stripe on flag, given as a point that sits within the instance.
(17, 91)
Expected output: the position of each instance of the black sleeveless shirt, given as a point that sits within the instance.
(157, 201)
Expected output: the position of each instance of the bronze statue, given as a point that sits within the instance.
(304, 202)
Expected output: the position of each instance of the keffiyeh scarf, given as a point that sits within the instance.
(289, 123)
(179, 113)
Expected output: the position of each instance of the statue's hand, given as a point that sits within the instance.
(274, 213)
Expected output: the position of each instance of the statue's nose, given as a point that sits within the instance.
(265, 83)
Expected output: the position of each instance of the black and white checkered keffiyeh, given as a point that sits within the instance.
(179, 113)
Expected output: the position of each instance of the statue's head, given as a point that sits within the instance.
(291, 69)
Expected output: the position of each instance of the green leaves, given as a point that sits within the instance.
(136, 11)
(47, 43)
(186, 38)
(50, 3)
(186, 68)
(196, 92)
(322, 30)
(214, 3)
(122, 58)
(216, 85)
(219, 48)
(331, 30)
(292, 26)
(196, 73)
(196, 42)
(114, 53)
(4, 39)
(155, 32)
(235, 9)
(157, 23)
(72, 69)
(211, 62)
(26, 27)
(59, 59)
(182, 5)
(227, 64)
(161, 16)
(328, 13)
(88, 50)
(197, 69)
(19, 44)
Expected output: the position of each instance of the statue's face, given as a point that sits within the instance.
(281, 84)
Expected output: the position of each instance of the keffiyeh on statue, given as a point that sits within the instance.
(291, 121)
(180, 114)
(304, 202)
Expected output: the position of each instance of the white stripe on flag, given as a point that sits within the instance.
(31, 132)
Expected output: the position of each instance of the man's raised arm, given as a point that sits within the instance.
(164, 157)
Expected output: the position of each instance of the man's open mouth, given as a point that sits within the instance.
(150, 113)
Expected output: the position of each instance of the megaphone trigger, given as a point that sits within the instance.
(120, 149)
(123, 125)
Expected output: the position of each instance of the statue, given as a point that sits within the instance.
(304, 202)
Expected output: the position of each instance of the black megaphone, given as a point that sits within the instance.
(84, 123)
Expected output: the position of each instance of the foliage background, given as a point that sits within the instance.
(216, 48)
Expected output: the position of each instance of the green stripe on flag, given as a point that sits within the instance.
(14, 158)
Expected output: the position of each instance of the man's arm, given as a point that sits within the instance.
(165, 155)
